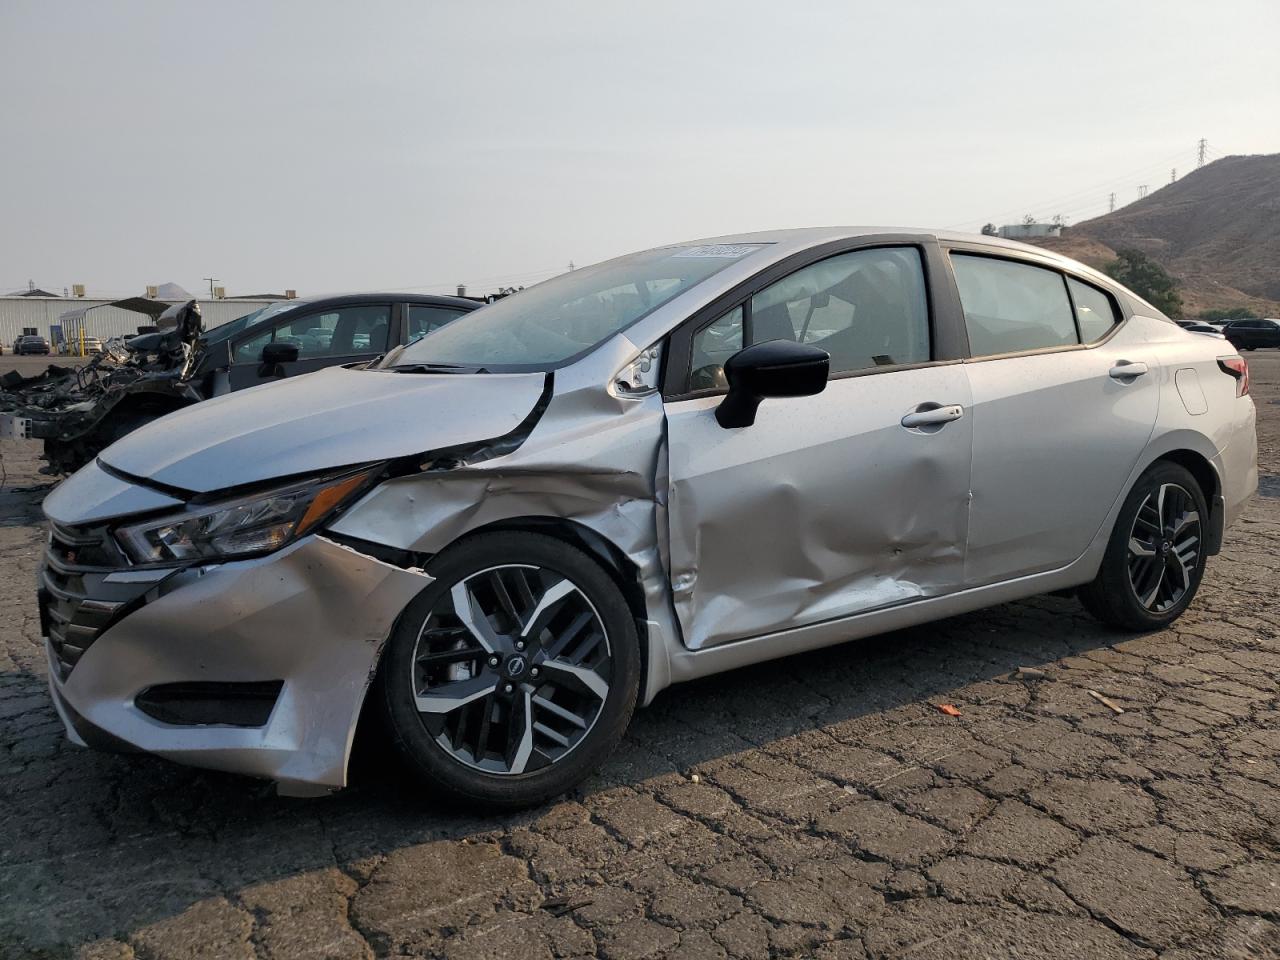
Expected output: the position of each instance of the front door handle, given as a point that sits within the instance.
(1124, 370)
(934, 416)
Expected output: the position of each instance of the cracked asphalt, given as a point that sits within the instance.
(820, 806)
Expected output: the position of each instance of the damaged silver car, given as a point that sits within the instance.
(513, 531)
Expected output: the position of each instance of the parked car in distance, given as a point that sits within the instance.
(31, 344)
(1199, 326)
(1252, 334)
(657, 468)
(71, 348)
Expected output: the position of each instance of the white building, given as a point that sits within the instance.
(19, 315)
(1020, 231)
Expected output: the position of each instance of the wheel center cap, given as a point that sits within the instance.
(516, 666)
(1164, 546)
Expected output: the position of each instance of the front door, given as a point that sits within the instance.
(829, 505)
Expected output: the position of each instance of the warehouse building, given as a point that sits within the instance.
(50, 315)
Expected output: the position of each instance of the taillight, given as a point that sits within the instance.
(1238, 368)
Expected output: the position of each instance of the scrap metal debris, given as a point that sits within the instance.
(67, 406)
(1030, 673)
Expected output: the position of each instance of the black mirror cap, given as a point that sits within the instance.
(775, 368)
(274, 353)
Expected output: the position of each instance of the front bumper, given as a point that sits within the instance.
(313, 617)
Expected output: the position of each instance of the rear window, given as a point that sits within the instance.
(1011, 307)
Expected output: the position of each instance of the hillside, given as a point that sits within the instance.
(1217, 230)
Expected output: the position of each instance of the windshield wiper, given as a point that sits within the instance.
(435, 368)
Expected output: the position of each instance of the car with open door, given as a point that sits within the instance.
(508, 534)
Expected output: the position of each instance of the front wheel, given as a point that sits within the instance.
(1155, 558)
(515, 674)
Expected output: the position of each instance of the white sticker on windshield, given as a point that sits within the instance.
(719, 251)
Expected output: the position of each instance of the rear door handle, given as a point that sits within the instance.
(935, 416)
(1124, 370)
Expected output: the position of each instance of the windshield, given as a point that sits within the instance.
(563, 318)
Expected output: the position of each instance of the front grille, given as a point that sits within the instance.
(75, 604)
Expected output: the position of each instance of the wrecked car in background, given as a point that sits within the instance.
(657, 468)
(79, 411)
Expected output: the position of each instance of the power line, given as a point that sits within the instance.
(1204, 151)
(1058, 201)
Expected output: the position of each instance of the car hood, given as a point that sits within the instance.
(328, 419)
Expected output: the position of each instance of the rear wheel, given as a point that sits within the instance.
(1155, 558)
(515, 674)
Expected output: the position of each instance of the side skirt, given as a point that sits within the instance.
(691, 664)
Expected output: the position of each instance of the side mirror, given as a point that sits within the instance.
(274, 353)
(776, 368)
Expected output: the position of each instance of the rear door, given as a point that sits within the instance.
(325, 337)
(1064, 399)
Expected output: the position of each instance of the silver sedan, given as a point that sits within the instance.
(508, 534)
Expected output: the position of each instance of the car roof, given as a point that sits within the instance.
(795, 240)
(813, 236)
(429, 299)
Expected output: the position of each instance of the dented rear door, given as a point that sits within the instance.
(827, 506)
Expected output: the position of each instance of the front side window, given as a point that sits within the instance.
(424, 319)
(1095, 312)
(345, 331)
(564, 318)
(866, 308)
(712, 346)
(339, 333)
(250, 351)
(1010, 307)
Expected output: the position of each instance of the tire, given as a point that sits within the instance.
(500, 710)
(1139, 590)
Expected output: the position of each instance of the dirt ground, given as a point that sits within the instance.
(817, 806)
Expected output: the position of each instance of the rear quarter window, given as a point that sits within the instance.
(1096, 312)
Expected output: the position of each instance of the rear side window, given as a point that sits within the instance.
(1095, 311)
(1010, 307)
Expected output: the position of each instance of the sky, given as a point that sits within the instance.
(328, 146)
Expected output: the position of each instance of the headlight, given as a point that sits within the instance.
(254, 524)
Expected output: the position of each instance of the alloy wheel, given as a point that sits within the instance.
(1164, 547)
(511, 669)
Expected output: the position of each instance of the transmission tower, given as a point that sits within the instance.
(1111, 203)
(1173, 174)
(1200, 149)
(1142, 191)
